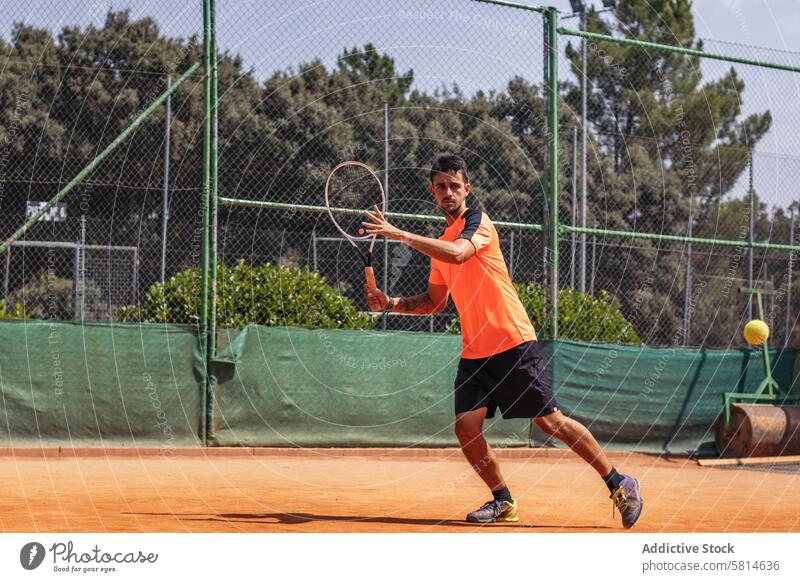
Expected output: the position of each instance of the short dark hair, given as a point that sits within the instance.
(447, 163)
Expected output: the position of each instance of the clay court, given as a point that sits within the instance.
(370, 490)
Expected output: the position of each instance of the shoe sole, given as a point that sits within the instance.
(635, 519)
(497, 520)
(641, 506)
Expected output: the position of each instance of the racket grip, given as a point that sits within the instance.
(369, 274)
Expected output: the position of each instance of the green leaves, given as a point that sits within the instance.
(16, 312)
(48, 296)
(266, 294)
(580, 316)
(583, 317)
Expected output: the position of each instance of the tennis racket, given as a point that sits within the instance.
(352, 188)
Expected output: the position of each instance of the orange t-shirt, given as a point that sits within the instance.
(493, 319)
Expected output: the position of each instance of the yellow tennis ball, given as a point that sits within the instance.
(756, 332)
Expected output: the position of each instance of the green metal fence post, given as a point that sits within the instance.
(266, 204)
(506, 4)
(204, 255)
(546, 177)
(676, 49)
(212, 299)
(551, 42)
(605, 232)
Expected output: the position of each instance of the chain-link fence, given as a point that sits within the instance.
(72, 78)
(60, 280)
(388, 92)
(678, 147)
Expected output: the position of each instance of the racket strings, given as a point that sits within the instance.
(351, 190)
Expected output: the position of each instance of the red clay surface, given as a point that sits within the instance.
(256, 490)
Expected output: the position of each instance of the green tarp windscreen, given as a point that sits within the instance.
(98, 384)
(128, 385)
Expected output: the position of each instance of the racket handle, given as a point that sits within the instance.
(370, 276)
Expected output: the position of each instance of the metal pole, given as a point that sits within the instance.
(522, 226)
(386, 194)
(546, 177)
(789, 284)
(687, 308)
(212, 251)
(769, 300)
(751, 240)
(515, 5)
(91, 166)
(135, 285)
(584, 141)
(7, 276)
(314, 249)
(165, 191)
(552, 182)
(574, 205)
(627, 234)
(82, 271)
(75, 277)
(675, 49)
(206, 204)
(594, 267)
(511, 257)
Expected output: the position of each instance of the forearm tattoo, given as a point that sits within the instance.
(413, 303)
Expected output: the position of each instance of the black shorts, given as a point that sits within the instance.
(515, 381)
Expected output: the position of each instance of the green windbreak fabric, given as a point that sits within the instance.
(113, 385)
(293, 387)
(654, 399)
(296, 387)
(125, 385)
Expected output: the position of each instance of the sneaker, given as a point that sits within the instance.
(628, 500)
(493, 511)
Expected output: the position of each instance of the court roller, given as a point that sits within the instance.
(764, 422)
(759, 430)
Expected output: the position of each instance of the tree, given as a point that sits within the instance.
(664, 141)
(662, 138)
(657, 100)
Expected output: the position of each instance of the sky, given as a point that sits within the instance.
(475, 45)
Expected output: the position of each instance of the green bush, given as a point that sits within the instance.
(16, 312)
(47, 296)
(266, 294)
(580, 316)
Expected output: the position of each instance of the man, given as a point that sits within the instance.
(500, 366)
